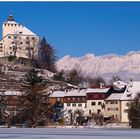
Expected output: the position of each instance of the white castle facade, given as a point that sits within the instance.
(17, 40)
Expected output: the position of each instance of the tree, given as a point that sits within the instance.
(60, 76)
(96, 82)
(134, 112)
(33, 105)
(47, 56)
(114, 78)
(74, 77)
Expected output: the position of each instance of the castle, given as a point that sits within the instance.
(17, 40)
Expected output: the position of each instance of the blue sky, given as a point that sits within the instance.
(77, 28)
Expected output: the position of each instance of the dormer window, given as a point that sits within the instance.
(129, 94)
(9, 37)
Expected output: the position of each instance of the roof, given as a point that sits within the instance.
(114, 96)
(97, 90)
(58, 94)
(68, 93)
(20, 28)
(131, 91)
(76, 93)
(119, 84)
(12, 93)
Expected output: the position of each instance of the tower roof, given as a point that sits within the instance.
(10, 18)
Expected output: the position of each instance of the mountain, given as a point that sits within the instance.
(126, 66)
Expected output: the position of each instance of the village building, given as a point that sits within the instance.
(95, 99)
(133, 88)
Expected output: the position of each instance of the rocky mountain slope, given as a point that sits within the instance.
(126, 66)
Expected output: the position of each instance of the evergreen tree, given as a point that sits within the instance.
(74, 77)
(96, 82)
(60, 76)
(134, 112)
(47, 56)
(33, 105)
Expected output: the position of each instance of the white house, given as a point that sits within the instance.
(133, 88)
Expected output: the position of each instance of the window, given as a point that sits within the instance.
(10, 52)
(58, 99)
(73, 98)
(12, 42)
(73, 105)
(9, 37)
(99, 103)
(27, 37)
(89, 111)
(129, 94)
(27, 42)
(127, 104)
(79, 105)
(15, 24)
(107, 102)
(8, 24)
(11, 24)
(125, 110)
(5, 24)
(93, 103)
(68, 104)
(20, 32)
(33, 38)
(10, 48)
(21, 42)
(68, 99)
(1, 44)
(112, 109)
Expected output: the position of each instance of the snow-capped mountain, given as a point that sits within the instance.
(126, 66)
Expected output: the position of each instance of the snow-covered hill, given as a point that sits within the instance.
(126, 66)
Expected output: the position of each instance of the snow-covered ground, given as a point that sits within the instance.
(68, 133)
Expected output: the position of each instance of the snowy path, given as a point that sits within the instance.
(68, 133)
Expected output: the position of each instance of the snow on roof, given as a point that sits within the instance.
(131, 91)
(76, 93)
(97, 90)
(58, 94)
(20, 28)
(119, 84)
(12, 93)
(114, 96)
(68, 93)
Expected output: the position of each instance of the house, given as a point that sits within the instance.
(95, 99)
(113, 106)
(133, 88)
